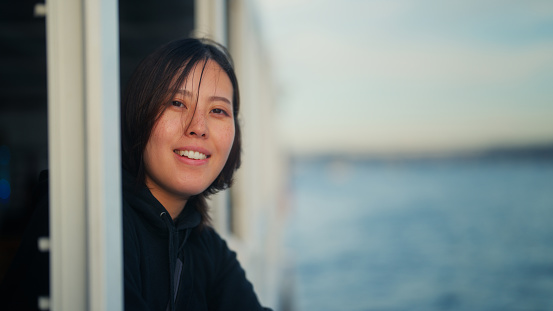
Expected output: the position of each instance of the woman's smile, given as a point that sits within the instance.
(191, 154)
(195, 156)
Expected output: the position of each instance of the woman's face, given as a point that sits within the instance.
(191, 141)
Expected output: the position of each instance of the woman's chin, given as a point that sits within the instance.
(191, 191)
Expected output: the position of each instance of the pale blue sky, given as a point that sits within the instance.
(410, 75)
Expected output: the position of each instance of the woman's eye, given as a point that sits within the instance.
(219, 111)
(177, 103)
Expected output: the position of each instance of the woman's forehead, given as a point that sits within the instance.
(203, 73)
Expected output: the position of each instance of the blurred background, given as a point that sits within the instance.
(408, 77)
(398, 154)
(421, 143)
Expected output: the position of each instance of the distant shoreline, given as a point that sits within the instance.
(542, 152)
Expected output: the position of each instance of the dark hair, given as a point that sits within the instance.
(148, 93)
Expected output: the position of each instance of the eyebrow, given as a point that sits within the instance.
(211, 98)
(184, 93)
(220, 98)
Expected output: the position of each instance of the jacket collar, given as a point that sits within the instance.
(141, 199)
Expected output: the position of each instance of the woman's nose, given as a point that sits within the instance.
(198, 125)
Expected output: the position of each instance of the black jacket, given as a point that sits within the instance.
(162, 259)
(166, 259)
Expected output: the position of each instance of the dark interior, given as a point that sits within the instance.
(143, 26)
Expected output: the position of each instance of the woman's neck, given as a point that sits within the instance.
(173, 204)
(173, 207)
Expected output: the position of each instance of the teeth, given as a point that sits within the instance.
(191, 154)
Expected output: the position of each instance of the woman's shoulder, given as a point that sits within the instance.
(208, 236)
(208, 240)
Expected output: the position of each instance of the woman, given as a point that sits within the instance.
(180, 143)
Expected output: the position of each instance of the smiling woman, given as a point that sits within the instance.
(182, 161)
(181, 143)
(183, 99)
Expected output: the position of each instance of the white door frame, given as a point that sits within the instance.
(84, 155)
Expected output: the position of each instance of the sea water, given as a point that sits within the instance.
(421, 235)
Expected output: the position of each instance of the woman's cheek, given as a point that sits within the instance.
(230, 136)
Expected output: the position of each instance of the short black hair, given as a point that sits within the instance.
(146, 97)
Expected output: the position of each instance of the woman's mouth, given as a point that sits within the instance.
(195, 155)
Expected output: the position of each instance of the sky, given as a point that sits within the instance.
(410, 76)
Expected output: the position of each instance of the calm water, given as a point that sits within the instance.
(422, 235)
